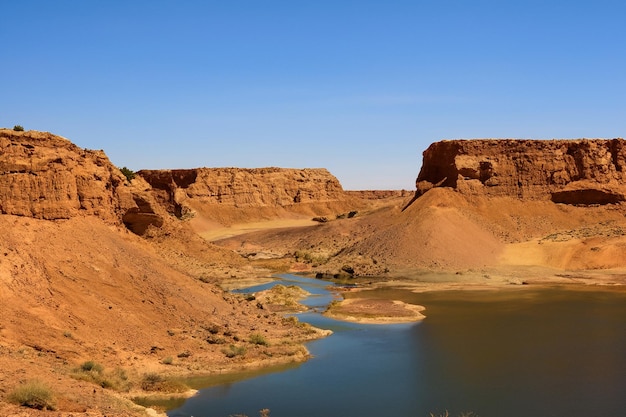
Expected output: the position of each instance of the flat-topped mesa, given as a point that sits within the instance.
(243, 187)
(580, 171)
(47, 177)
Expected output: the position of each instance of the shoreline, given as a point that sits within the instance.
(363, 310)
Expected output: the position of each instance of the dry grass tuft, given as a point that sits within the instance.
(33, 394)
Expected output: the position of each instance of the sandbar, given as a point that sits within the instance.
(375, 311)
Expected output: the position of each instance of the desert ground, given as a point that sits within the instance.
(100, 312)
(90, 291)
(144, 305)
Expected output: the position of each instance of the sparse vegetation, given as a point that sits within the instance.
(167, 360)
(158, 383)
(93, 372)
(128, 173)
(307, 257)
(258, 339)
(233, 351)
(18, 128)
(213, 329)
(33, 394)
(91, 366)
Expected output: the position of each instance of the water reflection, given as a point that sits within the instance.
(514, 353)
(550, 352)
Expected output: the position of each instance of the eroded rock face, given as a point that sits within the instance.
(240, 187)
(47, 177)
(582, 172)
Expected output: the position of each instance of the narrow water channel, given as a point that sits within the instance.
(524, 352)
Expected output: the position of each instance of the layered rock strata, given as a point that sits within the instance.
(242, 188)
(47, 177)
(581, 172)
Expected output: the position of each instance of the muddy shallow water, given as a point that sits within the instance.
(520, 352)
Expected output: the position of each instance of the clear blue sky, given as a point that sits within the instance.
(359, 87)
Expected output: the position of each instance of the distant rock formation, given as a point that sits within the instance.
(580, 172)
(243, 188)
(45, 176)
(378, 194)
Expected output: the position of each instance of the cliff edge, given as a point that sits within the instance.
(227, 196)
(579, 172)
(45, 176)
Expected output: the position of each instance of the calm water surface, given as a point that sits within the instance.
(524, 352)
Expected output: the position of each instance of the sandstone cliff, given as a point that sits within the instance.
(47, 177)
(210, 190)
(582, 172)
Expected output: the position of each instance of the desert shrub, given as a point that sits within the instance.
(167, 361)
(33, 394)
(302, 256)
(118, 380)
(233, 351)
(292, 320)
(128, 173)
(213, 329)
(307, 257)
(258, 339)
(93, 372)
(91, 366)
(156, 382)
(18, 128)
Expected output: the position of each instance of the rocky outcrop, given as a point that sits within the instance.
(243, 188)
(47, 177)
(581, 172)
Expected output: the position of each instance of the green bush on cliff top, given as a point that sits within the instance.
(128, 173)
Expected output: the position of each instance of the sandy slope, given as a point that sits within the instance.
(446, 231)
(80, 289)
